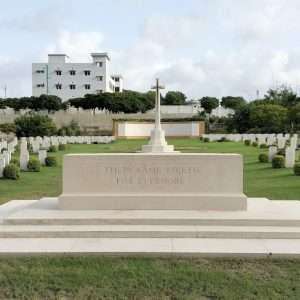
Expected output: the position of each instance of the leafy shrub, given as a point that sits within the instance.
(73, 129)
(11, 171)
(51, 161)
(281, 152)
(201, 138)
(247, 142)
(52, 149)
(206, 140)
(254, 144)
(278, 162)
(15, 161)
(34, 165)
(263, 146)
(62, 147)
(34, 125)
(263, 158)
(297, 169)
(8, 128)
(223, 139)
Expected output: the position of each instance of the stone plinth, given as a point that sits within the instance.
(142, 181)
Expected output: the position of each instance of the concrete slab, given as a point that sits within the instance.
(13, 206)
(260, 212)
(40, 227)
(148, 231)
(153, 247)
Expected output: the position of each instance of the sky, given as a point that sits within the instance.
(200, 47)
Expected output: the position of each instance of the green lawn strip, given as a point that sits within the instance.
(260, 180)
(147, 278)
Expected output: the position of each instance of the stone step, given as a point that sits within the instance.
(144, 218)
(153, 247)
(260, 212)
(148, 231)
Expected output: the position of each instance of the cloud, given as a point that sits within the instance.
(218, 48)
(45, 20)
(244, 47)
(12, 76)
(77, 45)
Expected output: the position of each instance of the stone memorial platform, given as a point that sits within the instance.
(266, 228)
(139, 181)
(157, 203)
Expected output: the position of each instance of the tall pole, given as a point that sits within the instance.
(5, 91)
(47, 79)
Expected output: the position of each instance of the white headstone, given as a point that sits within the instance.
(290, 155)
(272, 152)
(24, 155)
(6, 157)
(42, 156)
(294, 141)
(35, 146)
(281, 142)
(2, 165)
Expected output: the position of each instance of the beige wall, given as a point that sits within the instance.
(136, 129)
(85, 118)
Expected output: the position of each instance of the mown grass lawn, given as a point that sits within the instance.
(260, 180)
(98, 277)
(147, 278)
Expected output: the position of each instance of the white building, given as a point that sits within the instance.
(72, 80)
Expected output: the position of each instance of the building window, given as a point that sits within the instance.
(40, 71)
(99, 91)
(72, 87)
(99, 78)
(58, 72)
(58, 86)
(72, 72)
(117, 79)
(41, 85)
(87, 73)
(99, 64)
(87, 86)
(117, 89)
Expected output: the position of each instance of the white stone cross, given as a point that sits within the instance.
(158, 143)
(157, 89)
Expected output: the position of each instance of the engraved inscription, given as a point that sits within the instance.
(145, 175)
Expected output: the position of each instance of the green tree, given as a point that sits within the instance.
(282, 96)
(127, 101)
(294, 116)
(50, 103)
(34, 125)
(269, 118)
(240, 121)
(209, 103)
(233, 102)
(174, 98)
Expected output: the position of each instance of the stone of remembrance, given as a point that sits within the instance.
(153, 181)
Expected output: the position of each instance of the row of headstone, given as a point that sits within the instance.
(269, 139)
(276, 142)
(6, 151)
(38, 143)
